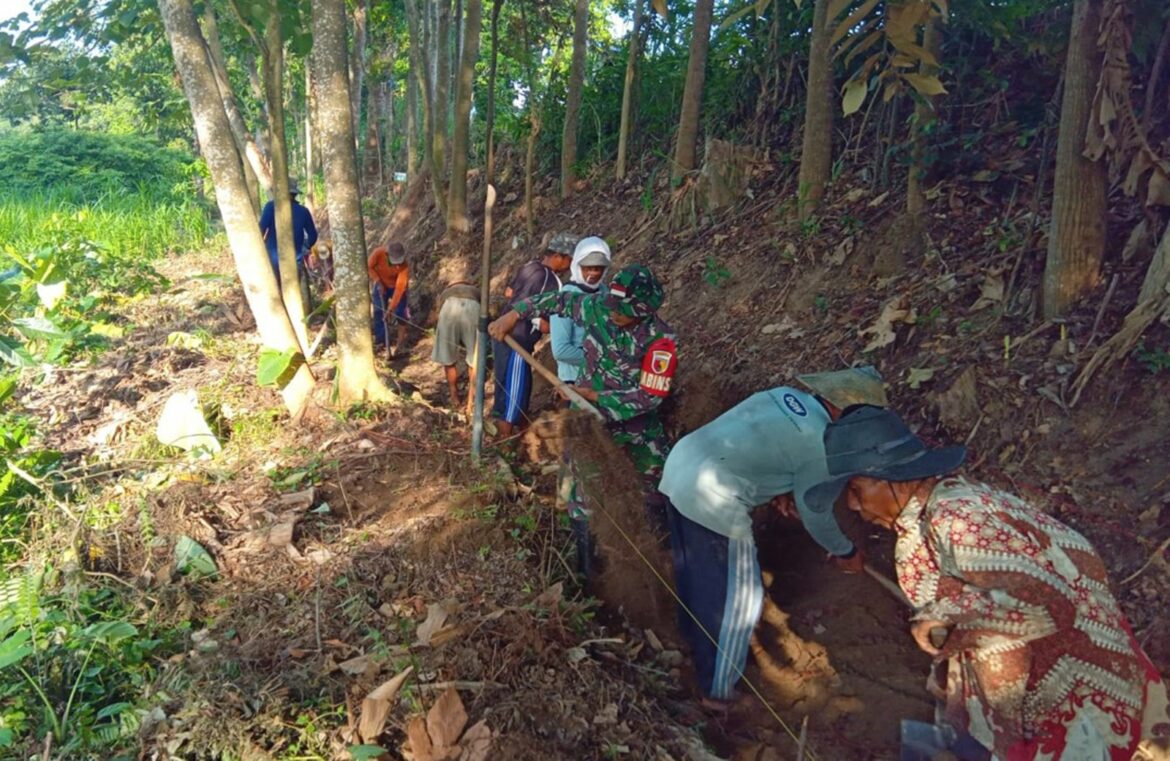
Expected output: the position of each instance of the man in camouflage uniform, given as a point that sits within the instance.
(630, 360)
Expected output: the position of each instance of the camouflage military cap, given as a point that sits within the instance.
(635, 292)
(562, 243)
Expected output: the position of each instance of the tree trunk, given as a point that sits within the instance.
(628, 94)
(357, 64)
(357, 378)
(421, 63)
(386, 127)
(411, 126)
(457, 221)
(256, 164)
(688, 120)
(372, 157)
(533, 128)
(439, 118)
(816, 151)
(231, 193)
(490, 170)
(1076, 241)
(924, 117)
(286, 252)
(573, 98)
(310, 109)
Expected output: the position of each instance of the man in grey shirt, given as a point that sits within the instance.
(767, 449)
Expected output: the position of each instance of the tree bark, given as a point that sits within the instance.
(257, 164)
(490, 170)
(231, 193)
(1076, 241)
(357, 378)
(421, 63)
(411, 127)
(286, 252)
(310, 110)
(628, 94)
(924, 116)
(372, 157)
(457, 220)
(816, 152)
(688, 120)
(573, 97)
(357, 64)
(439, 114)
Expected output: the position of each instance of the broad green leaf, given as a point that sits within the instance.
(277, 367)
(854, 96)
(365, 752)
(836, 7)
(7, 388)
(322, 308)
(111, 632)
(15, 648)
(925, 85)
(113, 709)
(864, 45)
(916, 51)
(736, 16)
(192, 559)
(41, 328)
(6, 737)
(14, 354)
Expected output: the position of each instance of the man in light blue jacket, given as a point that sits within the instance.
(591, 260)
(766, 450)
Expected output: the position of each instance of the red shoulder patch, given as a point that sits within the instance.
(658, 367)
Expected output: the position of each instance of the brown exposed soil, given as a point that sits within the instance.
(400, 528)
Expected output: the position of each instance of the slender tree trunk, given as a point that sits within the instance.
(224, 163)
(628, 94)
(286, 251)
(573, 97)
(411, 127)
(310, 108)
(533, 128)
(420, 62)
(816, 152)
(386, 122)
(357, 378)
(924, 116)
(457, 221)
(457, 49)
(373, 153)
(1076, 240)
(357, 64)
(490, 171)
(439, 119)
(688, 120)
(257, 163)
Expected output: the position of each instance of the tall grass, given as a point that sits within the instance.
(128, 226)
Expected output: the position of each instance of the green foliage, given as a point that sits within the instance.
(1155, 360)
(80, 168)
(73, 663)
(714, 273)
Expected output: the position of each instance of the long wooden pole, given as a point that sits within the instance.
(485, 277)
(552, 378)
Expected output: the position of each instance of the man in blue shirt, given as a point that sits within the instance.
(766, 450)
(513, 376)
(304, 236)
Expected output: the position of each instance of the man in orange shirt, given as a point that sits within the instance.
(389, 281)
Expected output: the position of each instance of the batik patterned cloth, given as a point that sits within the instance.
(1041, 663)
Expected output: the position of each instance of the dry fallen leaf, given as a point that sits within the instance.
(446, 719)
(376, 706)
(436, 616)
(896, 310)
(919, 375)
(990, 292)
(420, 742)
(476, 742)
(358, 666)
(550, 597)
(281, 535)
(300, 500)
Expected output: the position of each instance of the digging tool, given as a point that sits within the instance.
(552, 378)
(938, 635)
(481, 344)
